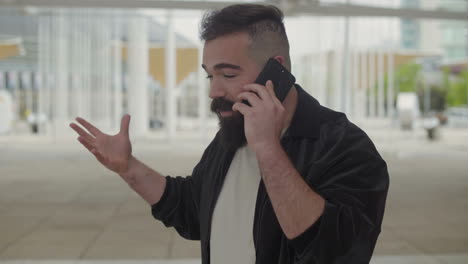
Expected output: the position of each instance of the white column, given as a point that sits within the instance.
(371, 84)
(100, 105)
(300, 71)
(380, 84)
(98, 102)
(79, 64)
(2, 80)
(106, 30)
(44, 35)
(50, 74)
(335, 88)
(13, 84)
(312, 71)
(40, 68)
(202, 96)
(36, 84)
(61, 76)
(336, 96)
(170, 59)
(117, 78)
(345, 87)
(28, 90)
(363, 87)
(355, 89)
(138, 75)
(74, 66)
(87, 88)
(391, 85)
(322, 77)
(322, 64)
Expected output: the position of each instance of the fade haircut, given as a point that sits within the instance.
(263, 24)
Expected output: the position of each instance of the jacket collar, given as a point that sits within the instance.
(306, 119)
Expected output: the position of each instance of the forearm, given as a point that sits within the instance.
(145, 181)
(296, 205)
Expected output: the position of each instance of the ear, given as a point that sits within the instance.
(280, 59)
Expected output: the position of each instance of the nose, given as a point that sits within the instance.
(216, 90)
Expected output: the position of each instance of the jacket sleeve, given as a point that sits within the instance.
(179, 206)
(353, 180)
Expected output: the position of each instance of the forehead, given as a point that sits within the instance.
(230, 48)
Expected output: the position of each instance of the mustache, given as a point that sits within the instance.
(221, 104)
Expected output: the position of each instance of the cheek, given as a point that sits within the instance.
(235, 88)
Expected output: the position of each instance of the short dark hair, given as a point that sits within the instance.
(263, 24)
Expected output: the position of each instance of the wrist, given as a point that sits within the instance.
(274, 164)
(267, 149)
(131, 165)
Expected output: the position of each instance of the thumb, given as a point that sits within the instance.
(125, 124)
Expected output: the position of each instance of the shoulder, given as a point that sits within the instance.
(335, 126)
(339, 137)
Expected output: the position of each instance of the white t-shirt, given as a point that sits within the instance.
(232, 223)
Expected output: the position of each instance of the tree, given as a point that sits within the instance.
(457, 93)
(406, 77)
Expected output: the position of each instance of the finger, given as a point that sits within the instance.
(81, 132)
(259, 89)
(252, 98)
(86, 144)
(92, 129)
(241, 108)
(99, 157)
(124, 125)
(93, 150)
(270, 89)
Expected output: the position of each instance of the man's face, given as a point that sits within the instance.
(229, 68)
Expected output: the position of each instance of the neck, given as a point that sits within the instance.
(290, 103)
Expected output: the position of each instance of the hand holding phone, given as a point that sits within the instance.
(282, 79)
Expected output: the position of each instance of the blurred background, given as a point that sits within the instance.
(397, 68)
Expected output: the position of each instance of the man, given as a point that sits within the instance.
(282, 182)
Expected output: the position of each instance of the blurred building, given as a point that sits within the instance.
(454, 34)
(62, 63)
(58, 63)
(450, 38)
(410, 28)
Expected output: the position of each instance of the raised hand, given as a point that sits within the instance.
(113, 152)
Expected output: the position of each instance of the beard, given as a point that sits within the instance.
(231, 129)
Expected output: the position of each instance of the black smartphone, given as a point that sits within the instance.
(282, 79)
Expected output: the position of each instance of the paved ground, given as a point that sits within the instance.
(58, 203)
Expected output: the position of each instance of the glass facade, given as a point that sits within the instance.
(454, 33)
(410, 28)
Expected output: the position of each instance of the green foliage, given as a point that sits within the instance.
(452, 91)
(405, 80)
(406, 77)
(458, 89)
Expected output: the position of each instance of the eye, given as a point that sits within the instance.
(229, 76)
(209, 77)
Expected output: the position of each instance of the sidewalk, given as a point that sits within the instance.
(58, 203)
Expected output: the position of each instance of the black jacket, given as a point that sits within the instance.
(336, 159)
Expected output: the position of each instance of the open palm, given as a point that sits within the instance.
(112, 151)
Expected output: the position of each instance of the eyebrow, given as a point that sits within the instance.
(220, 66)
